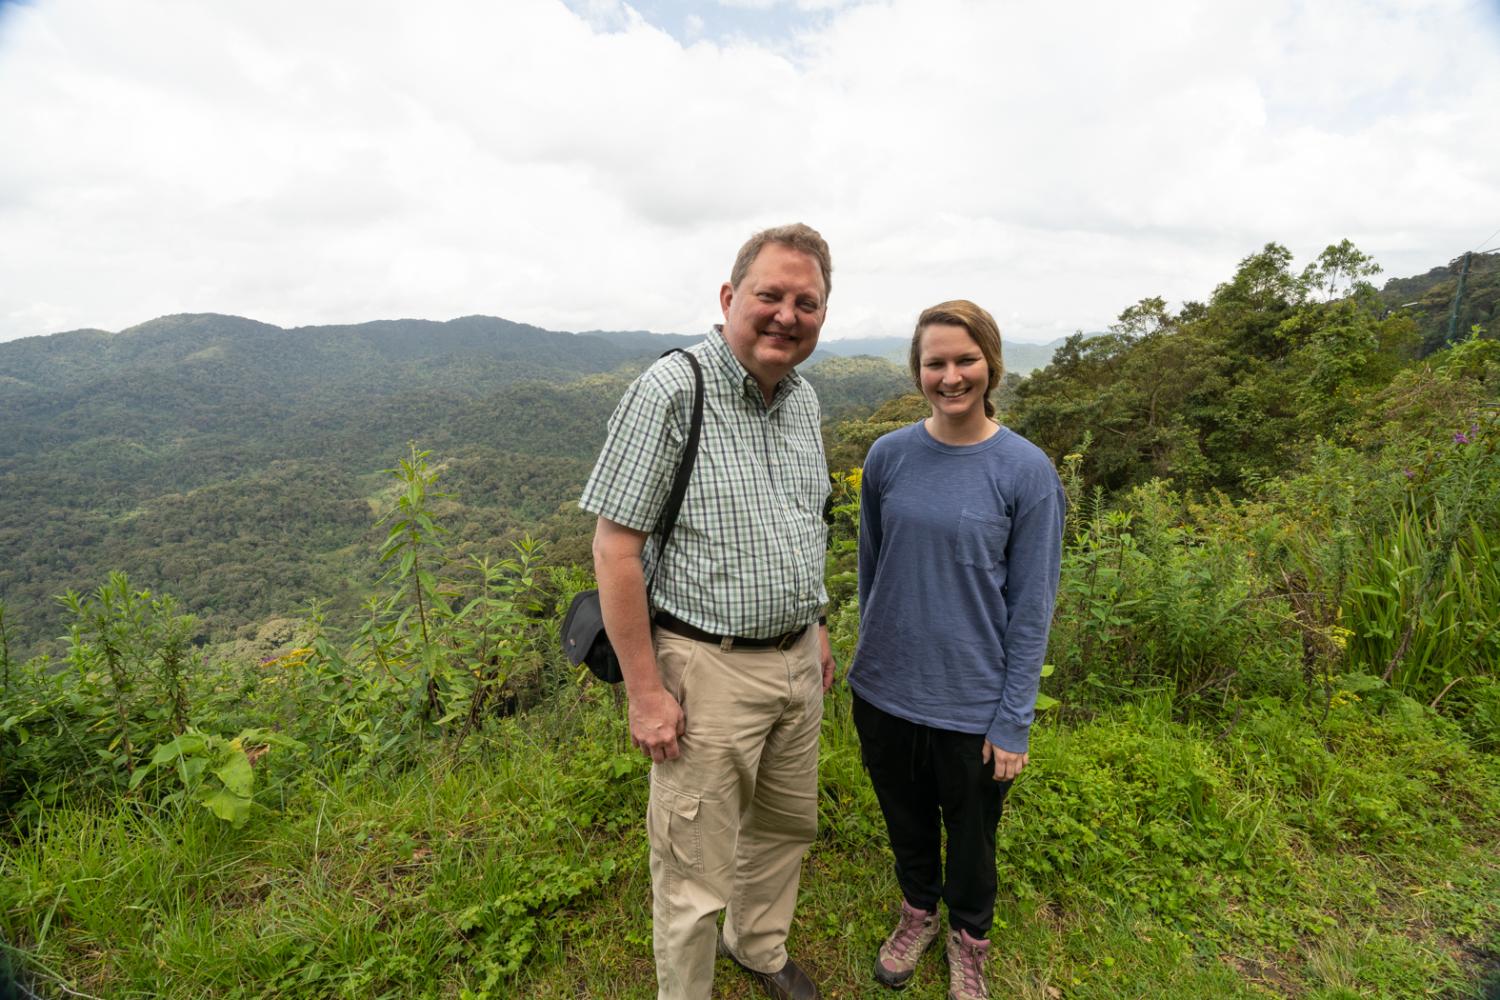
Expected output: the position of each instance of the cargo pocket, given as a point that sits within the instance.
(676, 833)
(981, 538)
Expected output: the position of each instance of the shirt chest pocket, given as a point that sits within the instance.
(981, 539)
(800, 468)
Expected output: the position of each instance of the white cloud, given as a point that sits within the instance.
(585, 168)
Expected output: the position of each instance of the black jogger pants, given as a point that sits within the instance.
(930, 780)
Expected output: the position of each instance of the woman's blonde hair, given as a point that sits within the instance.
(981, 326)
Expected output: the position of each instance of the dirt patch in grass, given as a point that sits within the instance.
(1264, 974)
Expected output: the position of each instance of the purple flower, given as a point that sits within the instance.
(1408, 473)
(1459, 437)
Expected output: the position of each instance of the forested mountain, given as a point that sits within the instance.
(234, 463)
(1430, 297)
(1020, 358)
(1225, 393)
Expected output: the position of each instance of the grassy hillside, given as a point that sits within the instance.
(1140, 857)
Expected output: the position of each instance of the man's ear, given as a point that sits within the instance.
(726, 295)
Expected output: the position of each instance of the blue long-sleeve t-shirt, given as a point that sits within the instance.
(959, 552)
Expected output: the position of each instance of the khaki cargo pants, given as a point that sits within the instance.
(730, 819)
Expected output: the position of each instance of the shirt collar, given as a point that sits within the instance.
(718, 349)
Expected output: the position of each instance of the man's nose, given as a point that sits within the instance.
(786, 314)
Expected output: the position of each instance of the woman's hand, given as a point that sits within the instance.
(1007, 764)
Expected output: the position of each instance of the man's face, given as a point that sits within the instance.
(771, 321)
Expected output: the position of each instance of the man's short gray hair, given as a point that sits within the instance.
(795, 236)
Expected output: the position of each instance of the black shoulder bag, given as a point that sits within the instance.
(583, 636)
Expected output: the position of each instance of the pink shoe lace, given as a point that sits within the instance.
(898, 956)
(914, 931)
(966, 957)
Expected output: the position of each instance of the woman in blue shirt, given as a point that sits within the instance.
(960, 543)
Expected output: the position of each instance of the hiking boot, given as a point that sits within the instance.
(914, 934)
(966, 956)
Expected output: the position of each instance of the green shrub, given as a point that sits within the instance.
(87, 725)
(1147, 601)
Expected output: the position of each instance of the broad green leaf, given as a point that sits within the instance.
(226, 805)
(182, 746)
(1360, 682)
(268, 737)
(236, 773)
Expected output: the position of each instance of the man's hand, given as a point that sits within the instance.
(825, 657)
(1007, 764)
(656, 721)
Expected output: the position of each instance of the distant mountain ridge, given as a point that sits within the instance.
(1020, 358)
(305, 353)
(318, 352)
(235, 463)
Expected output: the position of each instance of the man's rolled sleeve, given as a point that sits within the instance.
(633, 475)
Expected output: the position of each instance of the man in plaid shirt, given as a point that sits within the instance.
(725, 670)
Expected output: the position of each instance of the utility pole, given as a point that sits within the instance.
(1458, 298)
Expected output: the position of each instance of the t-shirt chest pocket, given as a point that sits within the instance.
(981, 539)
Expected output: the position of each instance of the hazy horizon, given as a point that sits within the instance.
(827, 334)
(595, 164)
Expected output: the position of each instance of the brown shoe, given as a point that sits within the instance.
(791, 983)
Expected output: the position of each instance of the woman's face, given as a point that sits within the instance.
(953, 372)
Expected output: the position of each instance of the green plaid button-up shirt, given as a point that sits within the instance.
(746, 557)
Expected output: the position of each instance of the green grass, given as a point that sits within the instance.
(1140, 856)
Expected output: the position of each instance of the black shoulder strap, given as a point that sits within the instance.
(689, 457)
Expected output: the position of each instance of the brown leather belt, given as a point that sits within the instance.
(784, 641)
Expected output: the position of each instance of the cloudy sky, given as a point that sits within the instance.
(594, 164)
